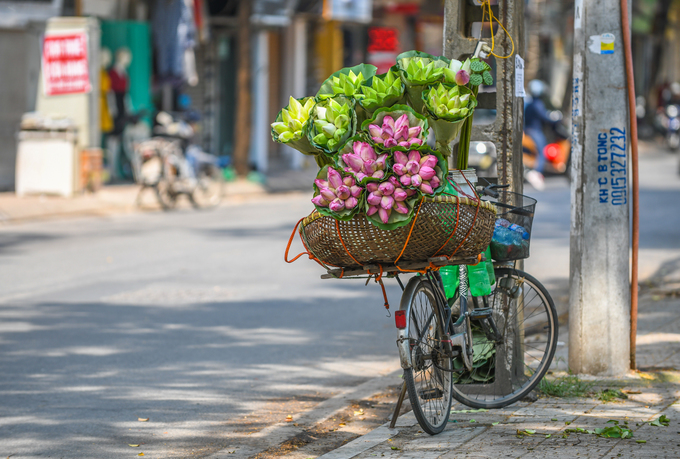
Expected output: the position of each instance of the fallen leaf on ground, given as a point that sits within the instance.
(640, 441)
(395, 448)
(359, 413)
(472, 420)
(142, 419)
(134, 446)
(662, 421)
(548, 436)
(495, 423)
(289, 418)
(631, 392)
(342, 424)
(524, 433)
(140, 454)
(554, 419)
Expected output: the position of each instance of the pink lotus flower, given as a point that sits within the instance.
(416, 171)
(396, 133)
(364, 162)
(462, 77)
(337, 193)
(385, 197)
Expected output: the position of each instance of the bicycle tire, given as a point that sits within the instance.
(429, 389)
(209, 190)
(511, 381)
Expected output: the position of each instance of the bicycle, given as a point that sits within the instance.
(486, 352)
(161, 164)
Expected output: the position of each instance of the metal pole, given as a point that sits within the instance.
(599, 321)
(636, 188)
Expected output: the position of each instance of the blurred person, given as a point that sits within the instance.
(535, 118)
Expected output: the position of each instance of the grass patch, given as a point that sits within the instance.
(610, 395)
(565, 386)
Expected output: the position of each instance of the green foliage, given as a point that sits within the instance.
(662, 421)
(613, 431)
(566, 386)
(609, 395)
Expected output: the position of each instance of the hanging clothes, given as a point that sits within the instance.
(174, 31)
(105, 114)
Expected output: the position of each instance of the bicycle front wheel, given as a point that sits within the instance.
(428, 381)
(510, 361)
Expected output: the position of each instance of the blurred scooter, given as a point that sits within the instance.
(557, 153)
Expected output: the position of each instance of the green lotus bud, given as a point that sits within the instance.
(286, 136)
(280, 127)
(332, 144)
(319, 124)
(341, 120)
(329, 130)
(321, 139)
(464, 111)
(339, 133)
(292, 121)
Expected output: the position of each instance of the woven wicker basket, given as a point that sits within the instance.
(442, 225)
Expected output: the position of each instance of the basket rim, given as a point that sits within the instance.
(315, 215)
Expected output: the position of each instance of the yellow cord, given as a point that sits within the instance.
(491, 19)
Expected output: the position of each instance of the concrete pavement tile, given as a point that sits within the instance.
(361, 444)
(405, 420)
(662, 442)
(623, 410)
(581, 446)
(556, 409)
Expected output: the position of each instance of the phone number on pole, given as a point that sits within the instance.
(611, 167)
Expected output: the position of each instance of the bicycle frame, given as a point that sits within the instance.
(444, 315)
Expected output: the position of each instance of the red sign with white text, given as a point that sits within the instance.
(65, 66)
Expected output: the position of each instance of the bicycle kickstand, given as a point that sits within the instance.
(397, 408)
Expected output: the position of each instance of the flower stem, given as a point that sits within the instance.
(464, 142)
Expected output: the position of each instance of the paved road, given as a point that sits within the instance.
(193, 320)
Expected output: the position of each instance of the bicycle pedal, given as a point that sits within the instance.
(481, 313)
(430, 394)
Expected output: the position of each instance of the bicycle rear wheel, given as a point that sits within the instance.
(209, 189)
(508, 366)
(428, 384)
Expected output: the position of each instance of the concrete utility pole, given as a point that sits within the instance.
(599, 306)
(508, 99)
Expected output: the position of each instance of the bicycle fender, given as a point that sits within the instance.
(403, 344)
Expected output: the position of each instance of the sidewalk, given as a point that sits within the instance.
(111, 199)
(544, 428)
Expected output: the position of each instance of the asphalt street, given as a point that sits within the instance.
(193, 320)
